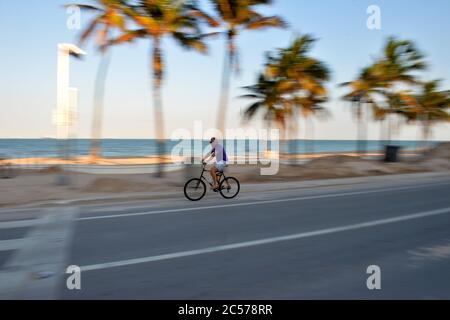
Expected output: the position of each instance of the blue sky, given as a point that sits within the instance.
(32, 29)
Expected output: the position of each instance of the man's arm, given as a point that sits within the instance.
(208, 156)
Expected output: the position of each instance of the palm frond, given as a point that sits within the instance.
(266, 22)
(129, 36)
(190, 42)
(86, 7)
(252, 110)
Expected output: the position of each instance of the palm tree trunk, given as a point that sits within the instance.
(305, 126)
(389, 131)
(99, 94)
(157, 103)
(159, 128)
(420, 143)
(381, 142)
(391, 124)
(365, 143)
(426, 132)
(312, 141)
(359, 142)
(418, 132)
(398, 126)
(293, 130)
(225, 88)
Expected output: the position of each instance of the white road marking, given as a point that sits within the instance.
(245, 204)
(260, 242)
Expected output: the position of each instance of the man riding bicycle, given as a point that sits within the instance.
(228, 187)
(219, 153)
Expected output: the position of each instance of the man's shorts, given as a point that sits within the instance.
(221, 165)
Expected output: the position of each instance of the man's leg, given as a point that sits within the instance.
(214, 177)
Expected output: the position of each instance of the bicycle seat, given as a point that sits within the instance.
(219, 174)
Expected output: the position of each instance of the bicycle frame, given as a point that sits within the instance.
(202, 177)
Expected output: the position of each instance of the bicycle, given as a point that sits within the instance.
(195, 189)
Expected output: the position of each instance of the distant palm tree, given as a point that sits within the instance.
(294, 64)
(108, 19)
(158, 19)
(268, 97)
(278, 107)
(238, 16)
(427, 107)
(304, 75)
(311, 106)
(361, 95)
(400, 60)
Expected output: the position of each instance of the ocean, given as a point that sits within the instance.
(30, 148)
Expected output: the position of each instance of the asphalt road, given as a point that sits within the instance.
(284, 244)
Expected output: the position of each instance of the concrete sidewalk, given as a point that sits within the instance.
(177, 193)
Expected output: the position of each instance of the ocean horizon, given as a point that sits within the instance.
(49, 148)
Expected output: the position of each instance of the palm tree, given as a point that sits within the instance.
(238, 16)
(400, 60)
(108, 18)
(269, 97)
(427, 107)
(304, 74)
(361, 95)
(311, 106)
(159, 19)
(296, 65)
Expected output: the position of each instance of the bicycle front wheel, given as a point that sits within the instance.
(229, 188)
(195, 189)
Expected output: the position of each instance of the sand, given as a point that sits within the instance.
(151, 160)
(89, 161)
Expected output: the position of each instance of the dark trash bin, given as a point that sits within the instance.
(6, 170)
(392, 154)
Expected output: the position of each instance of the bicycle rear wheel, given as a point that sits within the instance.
(229, 188)
(195, 189)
